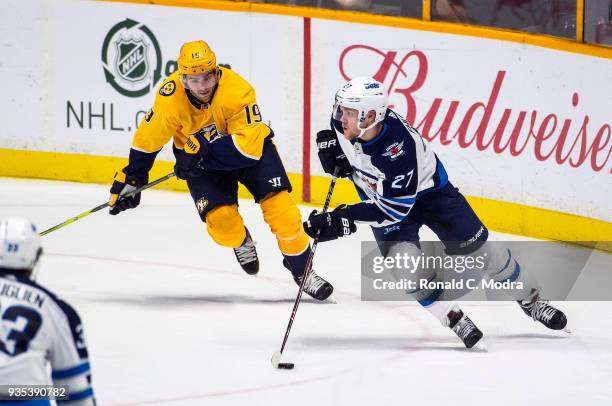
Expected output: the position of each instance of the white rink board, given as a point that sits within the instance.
(43, 55)
(53, 60)
(464, 69)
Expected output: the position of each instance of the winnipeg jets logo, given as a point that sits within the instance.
(394, 150)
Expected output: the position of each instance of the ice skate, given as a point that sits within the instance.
(464, 327)
(246, 255)
(540, 310)
(315, 286)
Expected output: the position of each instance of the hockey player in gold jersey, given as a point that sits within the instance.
(219, 139)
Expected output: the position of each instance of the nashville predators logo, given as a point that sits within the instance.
(209, 133)
(168, 88)
(212, 134)
(201, 204)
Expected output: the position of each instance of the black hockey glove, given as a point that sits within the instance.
(331, 154)
(187, 160)
(337, 223)
(123, 184)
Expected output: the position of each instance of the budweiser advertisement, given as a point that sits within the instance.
(511, 122)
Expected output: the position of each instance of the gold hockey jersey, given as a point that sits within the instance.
(231, 121)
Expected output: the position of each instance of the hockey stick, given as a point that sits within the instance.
(105, 205)
(276, 357)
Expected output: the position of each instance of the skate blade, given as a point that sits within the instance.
(330, 300)
(479, 347)
(567, 330)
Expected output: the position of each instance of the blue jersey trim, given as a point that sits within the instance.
(516, 272)
(69, 373)
(435, 295)
(399, 208)
(84, 394)
(440, 176)
(507, 263)
(405, 200)
(389, 211)
(442, 173)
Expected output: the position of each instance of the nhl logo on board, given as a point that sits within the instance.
(130, 61)
(201, 204)
(394, 150)
(131, 58)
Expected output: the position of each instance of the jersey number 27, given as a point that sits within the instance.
(402, 181)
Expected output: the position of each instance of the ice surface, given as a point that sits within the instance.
(171, 319)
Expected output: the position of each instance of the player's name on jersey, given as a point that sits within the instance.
(21, 293)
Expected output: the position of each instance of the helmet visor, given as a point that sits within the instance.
(337, 111)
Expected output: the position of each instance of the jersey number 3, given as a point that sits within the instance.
(21, 337)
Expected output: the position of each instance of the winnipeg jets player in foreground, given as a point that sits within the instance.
(41, 336)
(403, 186)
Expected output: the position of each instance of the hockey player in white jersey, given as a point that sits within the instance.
(41, 337)
(403, 186)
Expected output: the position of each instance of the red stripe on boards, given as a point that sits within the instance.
(306, 118)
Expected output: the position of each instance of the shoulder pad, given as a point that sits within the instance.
(234, 90)
(170, 84)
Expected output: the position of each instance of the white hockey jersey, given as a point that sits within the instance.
(41, 340)
(390, 171)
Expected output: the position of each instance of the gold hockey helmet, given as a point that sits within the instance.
(196, 57)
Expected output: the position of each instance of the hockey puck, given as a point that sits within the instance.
(286, 365)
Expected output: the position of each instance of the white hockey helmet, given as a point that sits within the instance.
(364, 95)
(20, 246)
